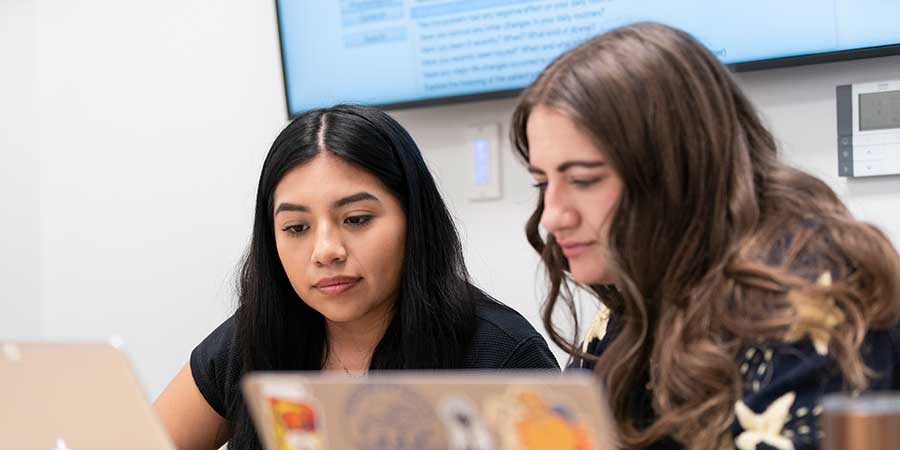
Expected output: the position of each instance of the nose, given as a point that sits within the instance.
(329, 247)
(558, 215)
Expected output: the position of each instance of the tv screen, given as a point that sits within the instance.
(397, 53)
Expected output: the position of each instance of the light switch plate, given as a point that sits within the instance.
(483, 155)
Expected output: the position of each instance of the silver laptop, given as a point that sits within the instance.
(73, 396)
(429, 411)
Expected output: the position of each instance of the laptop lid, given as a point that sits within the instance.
(429, 411)
(74, 396)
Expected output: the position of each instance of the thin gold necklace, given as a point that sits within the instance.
(344, 366)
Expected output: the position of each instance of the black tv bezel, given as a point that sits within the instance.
(746, 66)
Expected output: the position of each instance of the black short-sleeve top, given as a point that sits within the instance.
(503, 339)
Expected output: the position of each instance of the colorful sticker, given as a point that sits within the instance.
(464, 425)
(527, 421)
(295, 421)
(392, 417)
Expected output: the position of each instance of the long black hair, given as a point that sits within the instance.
(433, 319)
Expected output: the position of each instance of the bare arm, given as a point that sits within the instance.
(190, 421)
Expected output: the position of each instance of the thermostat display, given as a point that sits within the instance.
(868, 126)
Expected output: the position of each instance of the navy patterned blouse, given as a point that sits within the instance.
(784, 383)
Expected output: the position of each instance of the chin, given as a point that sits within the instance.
(340, 316)
(586, 275)
(336, 313)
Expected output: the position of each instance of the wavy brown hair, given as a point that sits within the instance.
(712, 237)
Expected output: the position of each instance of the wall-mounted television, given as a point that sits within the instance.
(401, 53)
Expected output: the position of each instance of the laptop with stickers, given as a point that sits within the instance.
(433, 411)
(74, 396)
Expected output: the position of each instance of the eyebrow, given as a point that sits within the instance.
(567, 165)
(290, 207)
(357, 197)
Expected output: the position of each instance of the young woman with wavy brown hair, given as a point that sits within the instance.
(736, 290)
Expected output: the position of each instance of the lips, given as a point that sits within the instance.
(572, 249)
(336, 285)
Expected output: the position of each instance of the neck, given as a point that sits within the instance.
(351, 344)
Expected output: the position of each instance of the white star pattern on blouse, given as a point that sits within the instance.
(764, 427)
(815, 315)
(597, 328)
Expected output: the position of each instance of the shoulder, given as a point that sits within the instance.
(602, 331)
(221, 337)
(881, 355)
(505, 339)
(495, 318)
(786, 383)
(804, 247)
(216, 367)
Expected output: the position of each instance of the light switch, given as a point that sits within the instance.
(483, 155)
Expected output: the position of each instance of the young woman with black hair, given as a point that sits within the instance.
(354, 265)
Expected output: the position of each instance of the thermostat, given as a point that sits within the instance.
(868, 128)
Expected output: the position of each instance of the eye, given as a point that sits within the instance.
(540, 185)
(358, 221)
(585, 183)
(296, 229)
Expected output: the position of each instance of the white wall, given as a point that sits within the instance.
(20, 298)
(798, 104)
(154, 118)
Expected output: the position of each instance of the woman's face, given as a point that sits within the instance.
(579, 188)
(341, 236)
